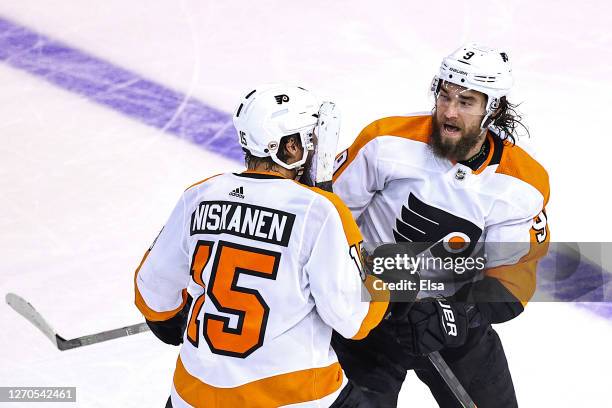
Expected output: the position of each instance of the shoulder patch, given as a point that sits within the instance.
(517, 163)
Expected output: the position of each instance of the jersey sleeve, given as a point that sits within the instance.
(335, 269)
(162, 277)
(514, 249)
(356, 178)
(515, 244)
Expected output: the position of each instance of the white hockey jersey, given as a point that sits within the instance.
(400, 192)
(272, 266)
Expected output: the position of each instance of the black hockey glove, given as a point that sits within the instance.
(171, 331)
(430, 325)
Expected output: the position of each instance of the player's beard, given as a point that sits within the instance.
(454, 150)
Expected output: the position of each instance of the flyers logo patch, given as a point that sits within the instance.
(420, 222)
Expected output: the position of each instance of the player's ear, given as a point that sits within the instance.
(293, 149)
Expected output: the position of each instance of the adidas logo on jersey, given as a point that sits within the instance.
(238, 192)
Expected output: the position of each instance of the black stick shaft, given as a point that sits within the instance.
(451, 380)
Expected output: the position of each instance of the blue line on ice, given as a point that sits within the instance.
(117, 88)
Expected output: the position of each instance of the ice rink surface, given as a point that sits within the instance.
(109, 110)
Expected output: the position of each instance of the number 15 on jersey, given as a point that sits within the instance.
(230, 261)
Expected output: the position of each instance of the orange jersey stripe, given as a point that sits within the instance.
(517, 163)
(283, 389)
(377, 310)
(146, 311)
(417, 128)
(520, 278)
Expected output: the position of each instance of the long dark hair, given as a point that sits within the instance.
(507, 121)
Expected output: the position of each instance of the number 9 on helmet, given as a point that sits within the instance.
(481, 69)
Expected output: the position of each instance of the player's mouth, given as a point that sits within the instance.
(451, 130)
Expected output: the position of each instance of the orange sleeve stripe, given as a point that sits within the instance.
(517, 163)
(520, 278)
(202, 181)
(147, 312)
(377, 309)
(351, 230)
(279, 390)
(417, 128)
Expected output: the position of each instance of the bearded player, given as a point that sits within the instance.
(456, 180)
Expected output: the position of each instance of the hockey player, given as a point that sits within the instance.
(272, 266)
(454, 179)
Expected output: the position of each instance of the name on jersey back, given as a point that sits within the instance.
(243, 220)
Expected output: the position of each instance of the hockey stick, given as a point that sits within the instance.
(451, 380)
(25, 309)
(404, 304)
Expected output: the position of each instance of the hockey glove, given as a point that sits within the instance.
(171, 331)
(432, 324)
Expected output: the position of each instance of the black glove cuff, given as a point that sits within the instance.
(488, 301)
(171, 331)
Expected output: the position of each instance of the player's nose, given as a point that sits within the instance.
(451, 110)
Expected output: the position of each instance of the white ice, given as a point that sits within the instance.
(84, 190)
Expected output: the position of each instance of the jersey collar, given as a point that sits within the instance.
(260, 174)
(495, 147)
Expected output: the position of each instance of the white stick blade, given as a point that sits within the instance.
(21, 306)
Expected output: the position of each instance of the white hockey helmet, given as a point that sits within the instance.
(271, 112)
(480, 68)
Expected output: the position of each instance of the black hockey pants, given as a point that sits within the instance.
(378, 367)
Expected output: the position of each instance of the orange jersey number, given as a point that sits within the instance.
(232, 260)
(201, 255)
